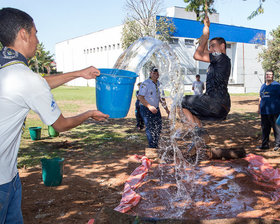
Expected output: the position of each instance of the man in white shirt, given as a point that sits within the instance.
(22, 90)
(198, 86)
(149, 96)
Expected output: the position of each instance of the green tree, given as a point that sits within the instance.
(42, 62)
(271, 55)
(202, 6)
(1, 46)
(141, 21)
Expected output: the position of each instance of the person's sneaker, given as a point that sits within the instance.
(276, 148)
(263, 147)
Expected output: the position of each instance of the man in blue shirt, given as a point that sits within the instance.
(269, 109)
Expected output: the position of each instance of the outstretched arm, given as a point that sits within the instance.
(201, 53)
(64, 124)
(58, 80)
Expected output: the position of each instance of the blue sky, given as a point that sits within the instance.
(60, 20)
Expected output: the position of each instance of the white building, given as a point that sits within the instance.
(101, 49)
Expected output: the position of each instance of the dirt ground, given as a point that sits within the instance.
(94, 176)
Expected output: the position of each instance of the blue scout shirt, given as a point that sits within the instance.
(270, 98)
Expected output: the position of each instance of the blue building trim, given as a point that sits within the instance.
(193, 29)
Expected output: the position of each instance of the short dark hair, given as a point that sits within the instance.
(197, 76)
(269, 71)
(220, 40)
(11, 21)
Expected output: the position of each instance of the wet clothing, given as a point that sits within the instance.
(153, 122)
(151, 92)
(198, 87)
(214, 104)
(270, 110)
(139, 119)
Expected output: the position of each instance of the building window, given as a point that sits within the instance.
(97, 49)
(189, 42)
(105, 48)
(93, 50)
(87, 51)
(90, 50)
(174, 41)
(228, 46)
(255, 72)
(202, 71)
(114, 46)
(101, 49)
(109, 47)
(118, 46)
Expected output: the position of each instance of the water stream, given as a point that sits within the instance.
(176, 141)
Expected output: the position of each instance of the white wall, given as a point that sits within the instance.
(101, 49)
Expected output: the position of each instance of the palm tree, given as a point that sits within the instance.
(42, 62)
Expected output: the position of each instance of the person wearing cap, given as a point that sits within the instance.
(150, 97)
(215, 103)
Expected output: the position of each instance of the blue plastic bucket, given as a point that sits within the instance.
(114, 88)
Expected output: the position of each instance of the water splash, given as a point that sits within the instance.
(138, 58)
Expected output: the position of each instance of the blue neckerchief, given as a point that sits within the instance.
(9, 56)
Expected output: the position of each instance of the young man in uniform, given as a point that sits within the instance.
(150, 96)
(22, 90)
(269, 109)
(214, 104)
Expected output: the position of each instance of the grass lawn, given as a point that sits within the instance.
(85, 136)
(73, 100)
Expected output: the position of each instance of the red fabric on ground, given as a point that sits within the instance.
(264, 173)
(91, 221)
(130, 198)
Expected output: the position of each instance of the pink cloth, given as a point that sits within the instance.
(130, 198)
(264, 173)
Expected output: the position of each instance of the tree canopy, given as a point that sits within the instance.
(202, 6)
(271, 55)
(42, 62)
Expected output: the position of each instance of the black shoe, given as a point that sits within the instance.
(263, 147)
(276, 148)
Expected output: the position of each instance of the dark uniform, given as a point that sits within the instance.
(214, 104)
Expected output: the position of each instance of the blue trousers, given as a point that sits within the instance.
(153, 125)
(10, 202)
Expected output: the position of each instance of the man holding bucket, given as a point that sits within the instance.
(149, 96)
(22, 90)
